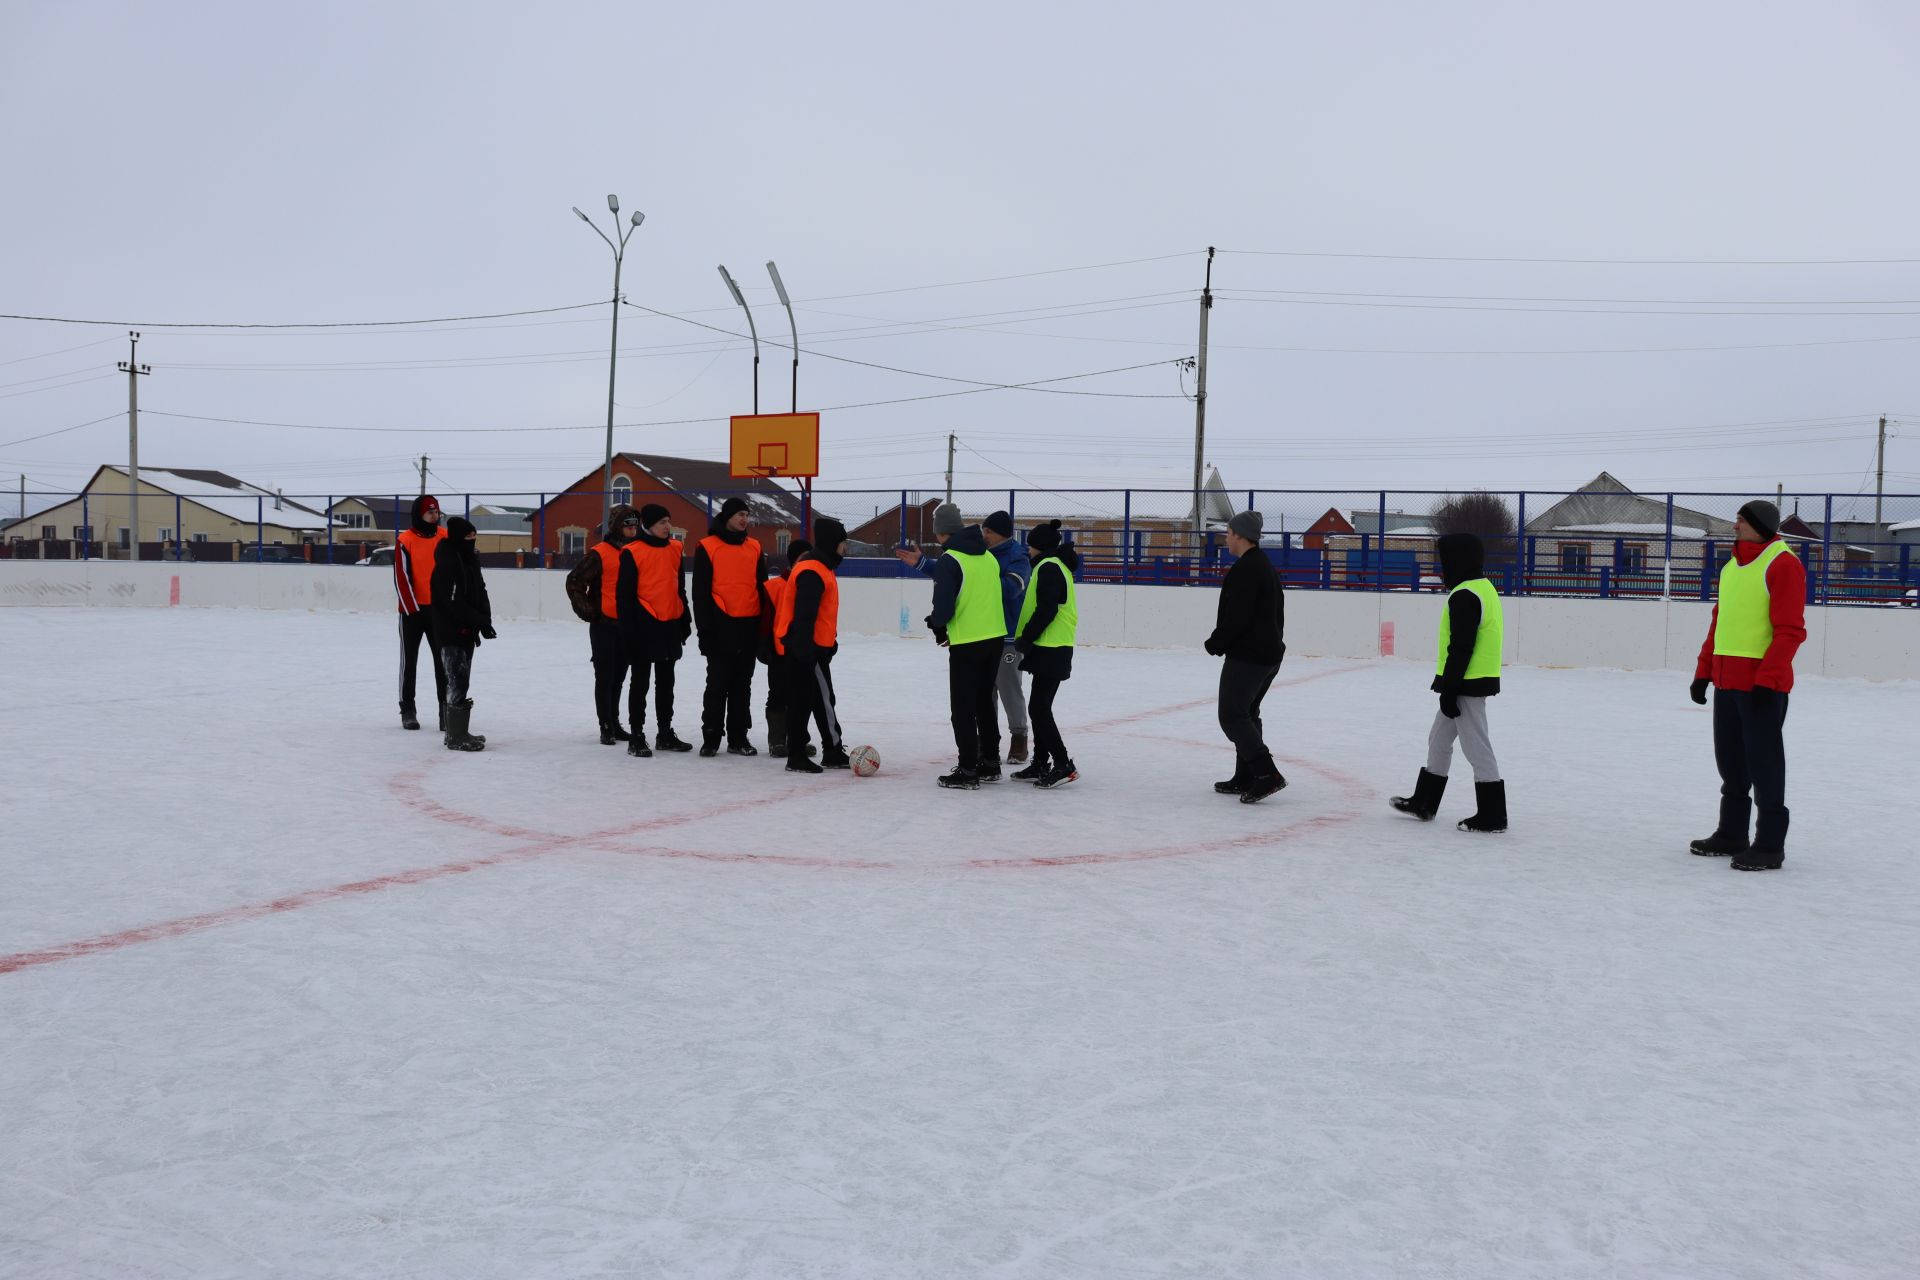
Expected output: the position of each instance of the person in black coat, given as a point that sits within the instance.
(1247, 634)
(1048, 664)
(461, 617)
(654, 631)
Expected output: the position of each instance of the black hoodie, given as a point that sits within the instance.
(461, 610)
(1252, 616)
(947, 574)
(1049, 590)
(1462, 559)
(709, 616)
(808, 591)
(651, 639)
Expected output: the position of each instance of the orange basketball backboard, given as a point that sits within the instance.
(775, 444)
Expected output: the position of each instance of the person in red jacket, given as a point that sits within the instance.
(1759, 623)
(413, 589)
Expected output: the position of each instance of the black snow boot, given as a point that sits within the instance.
(1262, 785)
(1491, 815)
(1058, 776)
(776, 733)
(1033, 772)
(709, 749)
(1730, 837)
(458, 717)
(1425, 800)
(800, 764)
(961, 779)
(606, 735)
(988, 770)
(1759, 859)
(836, 758)
(668, 740)
(1717, 846)
(1237, 783)
(408, 718)
(742, 748)
(443, 717)
(637, 742)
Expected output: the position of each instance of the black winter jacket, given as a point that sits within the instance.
(947, 575)
(1049, 593)
(1253, 612)
(460, 610)
(808, 591)
(1462, 559)
(646, 637)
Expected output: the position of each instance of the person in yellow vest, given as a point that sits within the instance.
(1049, 621)
(1467, 673)
(412, 586)
(1759, 623)
(729, 595)
(970, 622)
(593, 591)
(806, 632)
(654, 625)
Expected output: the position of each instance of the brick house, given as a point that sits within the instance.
(689, 488)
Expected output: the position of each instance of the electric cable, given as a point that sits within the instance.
(314, 324)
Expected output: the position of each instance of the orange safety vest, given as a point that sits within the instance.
(413, 569)
(776, 590)
(658, 582)
(736, 573)
(609, 580)
(826, 623)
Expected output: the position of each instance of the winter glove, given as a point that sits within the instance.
(1698, 691)
(940, 636)
(1024, 647)
(1763, 698)
(1450, 706)
(1214, 647)
(489, 633)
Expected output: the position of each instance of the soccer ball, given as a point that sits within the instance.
(866, 761)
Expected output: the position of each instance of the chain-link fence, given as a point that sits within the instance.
(1596, 542)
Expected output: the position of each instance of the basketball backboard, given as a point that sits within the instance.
(775, 444)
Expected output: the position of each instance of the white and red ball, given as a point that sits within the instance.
(866, 761)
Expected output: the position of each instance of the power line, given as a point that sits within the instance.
(1664, 302)
(1607, 262)
(34, 391)
(8, 444)
(1532, 311)
(61, 352)
(320, 324)
(1023, 275)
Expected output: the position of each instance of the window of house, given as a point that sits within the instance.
(1573, 557)
(573, 541)
(1633, 557)
(49, 531)
(166, 535)
(125, 537)
(780, 541)
(623, 490)
(82, 534)
(351, 521)
(199, 537)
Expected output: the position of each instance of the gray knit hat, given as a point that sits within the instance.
(947, 519)
(1248, 525)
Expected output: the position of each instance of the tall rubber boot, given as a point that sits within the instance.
(1492, 812)
(1425, 800)
(459, 715)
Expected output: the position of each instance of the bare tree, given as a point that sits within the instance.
(1482, 513)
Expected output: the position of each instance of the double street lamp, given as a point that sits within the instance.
(613, 359)
(779, 287)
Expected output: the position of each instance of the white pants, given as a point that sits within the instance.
(1471, 729)
(1011, 695)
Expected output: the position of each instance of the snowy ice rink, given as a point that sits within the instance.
(288, 992)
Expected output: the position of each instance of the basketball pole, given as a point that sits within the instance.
(1200, 410)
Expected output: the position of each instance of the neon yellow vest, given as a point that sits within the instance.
(978, 613)
(1066, 620)
(1745, 626)
(1485, 661)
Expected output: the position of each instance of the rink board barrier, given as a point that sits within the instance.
(1876, 644)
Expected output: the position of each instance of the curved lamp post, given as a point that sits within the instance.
(613, 358)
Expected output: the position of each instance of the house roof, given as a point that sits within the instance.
(768, 501)
(214, 490)
(1604, 505)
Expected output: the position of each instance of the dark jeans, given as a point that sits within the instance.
(1749, 748)
(609, 669)
(973, 673)
(1046, 731)
(728, 704)
(415, 627)
(662, 678)
(1242, 687)
(810, 697)
(457, 658)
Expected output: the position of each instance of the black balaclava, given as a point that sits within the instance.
(1462, 558)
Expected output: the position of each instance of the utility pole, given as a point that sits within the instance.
(134, 371)
(1880, 470)
(950, 439)
(423, 475)
(1200, 409)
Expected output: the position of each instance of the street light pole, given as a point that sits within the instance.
(779, 287)
(741, 298)
(613, 357)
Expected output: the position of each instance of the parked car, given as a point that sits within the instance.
(276, 554)
(379, 555)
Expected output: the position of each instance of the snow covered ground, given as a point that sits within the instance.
(289, 992)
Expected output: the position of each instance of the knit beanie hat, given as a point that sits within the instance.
(828, 534)
(1248, 525)
(1000, 522)
(1763, 516)
(797, 548)
(651, 514)
(459, 527)
(947, 520)
(1045, 537)
(729, 509)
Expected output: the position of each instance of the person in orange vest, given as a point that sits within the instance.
(1759, 623)
(592, 587)
(413, 587)
(806, 632)
(728, 598)
(654, 625)
(777, 691)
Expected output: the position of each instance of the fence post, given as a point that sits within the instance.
(1126, 532)
(1380, 571)
(1520, 544)
(1604, 571)
(86, 526)
(1666, 572)
(540, 532)
(260, 529)
(1706, 566)
(1826, 553)
(1010, 508)
(178, 509)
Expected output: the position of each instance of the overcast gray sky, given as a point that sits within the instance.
(216, 162)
